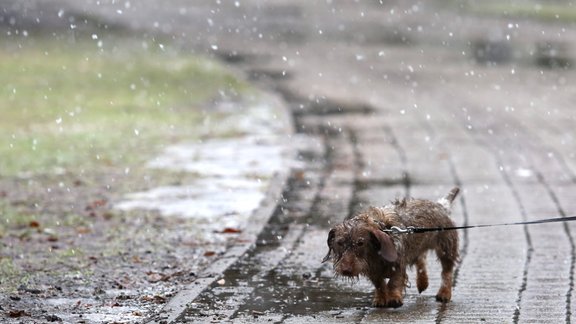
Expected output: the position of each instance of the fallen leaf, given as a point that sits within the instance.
(209, 253)
(299, 175)
(15, 313)
(159, 299)
(136, 313)
(156, 299)
(146, 298)
(172, 275)
(34, 224)
(97, 203)
(91, 207)
(83, 230)
(155, 277)
(230, 230)
(136, 259)
(52, 238)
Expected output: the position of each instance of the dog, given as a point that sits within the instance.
(364, 245)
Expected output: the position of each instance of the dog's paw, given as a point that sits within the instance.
(443, 298)
(395, 303)
(379, 301)
(379, 304)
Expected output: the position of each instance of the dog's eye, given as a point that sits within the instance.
(341, 243)
(359, 243)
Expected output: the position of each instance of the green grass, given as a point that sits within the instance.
(10, 276)
(12, 217)
(545, 11)
(76, 105)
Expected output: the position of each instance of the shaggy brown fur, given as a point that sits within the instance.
(358, 246)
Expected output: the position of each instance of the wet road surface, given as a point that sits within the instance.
(389, 100)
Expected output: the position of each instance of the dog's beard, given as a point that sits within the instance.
(361, 266)
(351, 280)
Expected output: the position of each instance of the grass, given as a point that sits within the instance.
(10, 276)
(88, 110)
(12, 217)
(546, 11)
(70, 106)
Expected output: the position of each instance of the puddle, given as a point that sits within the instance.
(255, 157)
(231, 174)
(229, 199)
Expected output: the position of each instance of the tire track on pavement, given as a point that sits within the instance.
(534, 152)
(427, 125)
(494, 150)
(537, 146)
(302, 269)
(536, 262)
(567, 232)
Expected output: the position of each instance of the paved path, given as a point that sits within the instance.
(389, 101)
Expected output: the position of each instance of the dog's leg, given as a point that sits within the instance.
(445, 292)
(380, 292)
(396, 286)
(447, 252)
(448, 262)
(421, 273)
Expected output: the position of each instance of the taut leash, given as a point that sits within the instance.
(413, 229)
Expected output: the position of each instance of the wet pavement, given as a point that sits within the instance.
(392, 99)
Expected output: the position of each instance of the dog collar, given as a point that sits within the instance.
(398, 230)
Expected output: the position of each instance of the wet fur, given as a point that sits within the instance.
(359, 247)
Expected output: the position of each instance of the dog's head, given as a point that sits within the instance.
(354, 243)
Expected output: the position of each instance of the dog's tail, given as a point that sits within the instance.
(447, 200)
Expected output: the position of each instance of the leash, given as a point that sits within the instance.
(413, 230)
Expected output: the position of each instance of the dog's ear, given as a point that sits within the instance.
(385, 246)
(330, 242)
